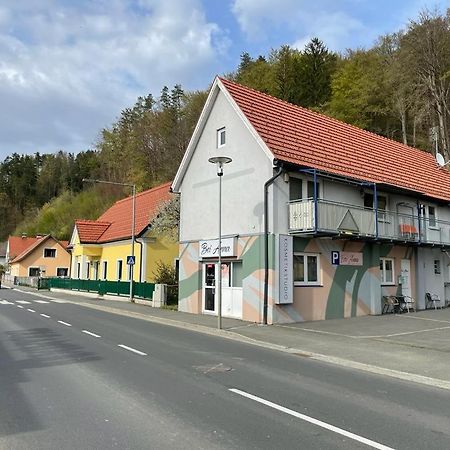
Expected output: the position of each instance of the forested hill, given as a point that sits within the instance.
(399, 88)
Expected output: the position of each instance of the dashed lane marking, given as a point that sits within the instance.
(5, 302)
(45, 315)
(20, 306)
(23, 302)
(31, 310)
(64, 323)
(138, 352)
(41, 301)
(91, 334)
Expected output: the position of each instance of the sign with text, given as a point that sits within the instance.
(210, 249)
(346, 258)
(286, 270)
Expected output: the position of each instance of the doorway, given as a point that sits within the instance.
(405, 273)
(209, 287)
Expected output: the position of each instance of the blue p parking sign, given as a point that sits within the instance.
(335, 258)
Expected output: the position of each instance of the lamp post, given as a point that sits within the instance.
(133, 222)
(220, 161)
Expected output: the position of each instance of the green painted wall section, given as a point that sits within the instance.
(344, 274)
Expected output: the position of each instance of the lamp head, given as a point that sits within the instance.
(220, 161)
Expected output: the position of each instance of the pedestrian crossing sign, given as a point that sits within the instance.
(131, 260)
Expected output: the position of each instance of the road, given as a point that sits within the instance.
(77, 378)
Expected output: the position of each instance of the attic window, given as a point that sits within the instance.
(49, 253)
(221, 137)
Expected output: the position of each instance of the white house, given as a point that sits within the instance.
(351, 216)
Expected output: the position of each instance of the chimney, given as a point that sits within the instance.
(24, 235)
(38, 236)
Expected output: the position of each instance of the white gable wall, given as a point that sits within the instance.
(242, 182)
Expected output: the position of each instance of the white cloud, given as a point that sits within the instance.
(68, 68)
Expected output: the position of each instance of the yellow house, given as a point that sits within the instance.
(37, 256)
(100, 248)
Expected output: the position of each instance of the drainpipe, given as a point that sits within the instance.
(375, 205)
(266, 236)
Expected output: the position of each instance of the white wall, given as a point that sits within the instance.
(242, 182)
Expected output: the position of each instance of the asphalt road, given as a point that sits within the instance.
(77, 378)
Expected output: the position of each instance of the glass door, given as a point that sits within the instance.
(209, 287)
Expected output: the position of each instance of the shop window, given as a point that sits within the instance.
(306, 269)
(49, 253)
(387, 271)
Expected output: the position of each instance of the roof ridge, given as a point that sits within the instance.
(320, 114)
(147, 191)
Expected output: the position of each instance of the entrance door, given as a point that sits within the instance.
(209, 287)
(406, 276)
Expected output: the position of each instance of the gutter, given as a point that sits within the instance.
(270, 181)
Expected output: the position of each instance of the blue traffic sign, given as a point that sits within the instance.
(335, 258)
(131, 260)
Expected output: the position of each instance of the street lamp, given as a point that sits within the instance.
(220, 161)
(133, 223)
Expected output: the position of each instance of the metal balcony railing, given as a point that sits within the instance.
(329, 217)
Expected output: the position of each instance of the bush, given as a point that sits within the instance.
(165, 274)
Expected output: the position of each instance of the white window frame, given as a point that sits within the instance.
(220, 132)
(427, 210)
(383, 214)
(48, 248)
(437, 267)
(128, 272)
(59, 268)
(305, 181)
(383, 272)
(306, 282)
(117, 269)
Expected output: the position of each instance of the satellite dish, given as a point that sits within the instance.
(440, 160)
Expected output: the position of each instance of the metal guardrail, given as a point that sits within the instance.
(341, 218)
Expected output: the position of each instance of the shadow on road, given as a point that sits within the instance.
(20, 352)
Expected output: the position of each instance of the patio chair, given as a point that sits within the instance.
(433, 300)
(390, 304)
(408, 303)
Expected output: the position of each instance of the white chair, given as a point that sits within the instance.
(433, 300)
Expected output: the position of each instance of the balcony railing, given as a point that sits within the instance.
(334, 218)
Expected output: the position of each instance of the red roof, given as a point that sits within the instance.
(115, 223)
(306, 138)
(18, 244)
(37, 242)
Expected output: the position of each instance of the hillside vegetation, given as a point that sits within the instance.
(399, 88)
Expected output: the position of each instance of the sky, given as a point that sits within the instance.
(67, 68)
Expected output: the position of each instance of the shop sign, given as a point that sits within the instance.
(286, 270)
(346, 258)
(210, 249)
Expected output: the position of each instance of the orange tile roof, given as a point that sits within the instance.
(90, 231)
(115, 223)
(18, 244)
(37, 242)
(309, 139)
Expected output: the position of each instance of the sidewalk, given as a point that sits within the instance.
(412, 346)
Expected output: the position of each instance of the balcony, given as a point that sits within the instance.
(328, 218)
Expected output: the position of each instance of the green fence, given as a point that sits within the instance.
(102, 287)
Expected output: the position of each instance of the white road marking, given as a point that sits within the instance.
(5, 302)
(20, 306)
(23, 302)
(91, 334)
(45, 315)
(41, 301)
(65, 323)
(31, 310)
(132, 350)
(317, 422)
(58, 301)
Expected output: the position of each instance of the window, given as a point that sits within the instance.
(129, 272)
(306, 269)
(105, 269)
(119, 269)
(221, 137)
(62, 272)
(88, 271)
(301, 189)
(387, 271)
(437, 267)
(49, 252)
(381, 204)
(232, 274)
(78, 270)
(431, 216)
(34, 272)
(96, 264)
